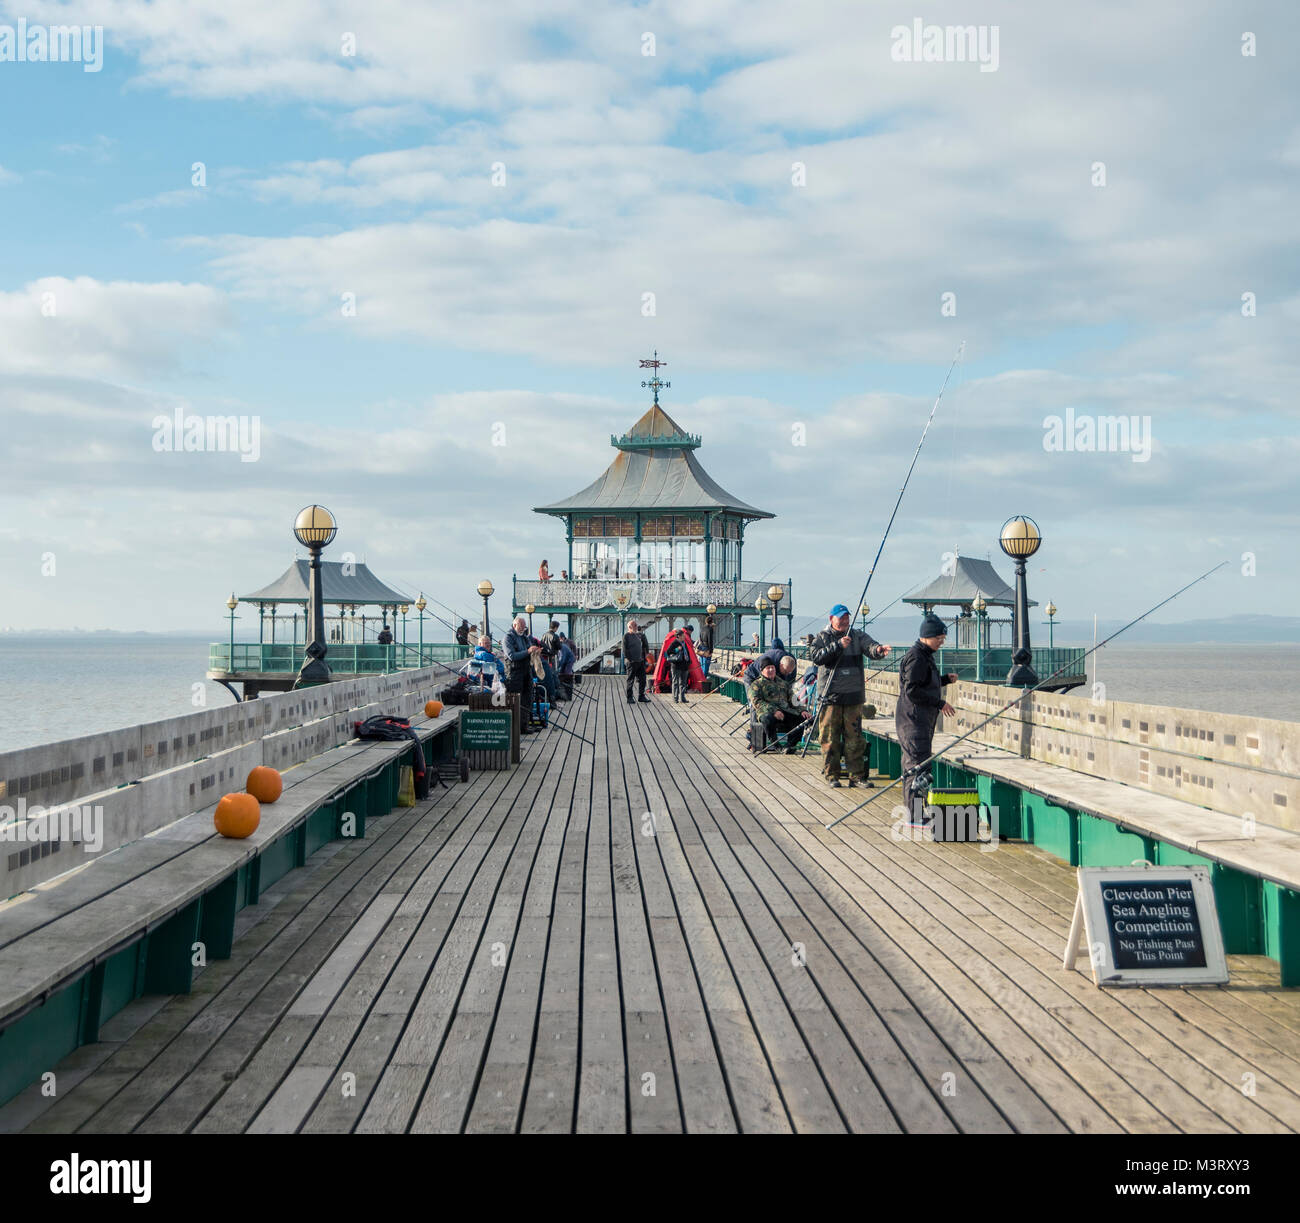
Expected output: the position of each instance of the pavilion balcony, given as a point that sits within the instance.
(644, 594)
(345, 659)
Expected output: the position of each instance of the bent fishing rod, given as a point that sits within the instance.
(916, 454)
(916, 769)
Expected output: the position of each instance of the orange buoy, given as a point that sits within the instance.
(237, 816)
(433, 709)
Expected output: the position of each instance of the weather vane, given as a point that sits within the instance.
(654, 382)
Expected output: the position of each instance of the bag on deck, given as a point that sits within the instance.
(384, 726)
(406, 789)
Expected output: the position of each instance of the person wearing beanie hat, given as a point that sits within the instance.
(839, 651)
(920, 702)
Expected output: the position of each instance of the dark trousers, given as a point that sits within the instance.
(681, 682)
(788, 726)
(636, 674)
(916, 739)
(521, 683)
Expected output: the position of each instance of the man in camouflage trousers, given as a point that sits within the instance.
(840, 651)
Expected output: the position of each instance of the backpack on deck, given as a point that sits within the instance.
(385, 726)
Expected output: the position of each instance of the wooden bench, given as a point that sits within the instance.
(1091, 821)
(77, 948)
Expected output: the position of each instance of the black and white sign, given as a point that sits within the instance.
(1148, 925)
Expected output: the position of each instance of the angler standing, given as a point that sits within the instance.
(520, 651)
(636, 653)
(920, 702)
(839, 651)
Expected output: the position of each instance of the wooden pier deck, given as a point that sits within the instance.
(659, 935)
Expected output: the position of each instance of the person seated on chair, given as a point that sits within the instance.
(774, 706)
(483, 663)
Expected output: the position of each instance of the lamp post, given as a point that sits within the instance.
(406, 607)
(530, 608)
(232, 603)
(1051, 625)
(776, 594)
(760, 606)
(485, 588)
(864, 611)
(315, 529)
(420, 605)
(979, 606)
(1020, 539)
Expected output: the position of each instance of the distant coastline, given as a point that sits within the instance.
(1226, 630)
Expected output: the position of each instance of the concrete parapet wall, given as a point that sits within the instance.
(145, 777)
(1240, 765)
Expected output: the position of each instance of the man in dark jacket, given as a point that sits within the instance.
(565, 661)
(920, 702)
(839, 651)
(520, 649)
(462, 632)
(705, 650)
(636, 652)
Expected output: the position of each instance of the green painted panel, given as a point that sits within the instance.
(121, 982)
(1006, 800)
(217, 924)
(277, 860)
(1282, 930)
(169, 966)
(41, 1039)
(321, 825)
(1237, 896)
(1053, 828)
(1101, 843)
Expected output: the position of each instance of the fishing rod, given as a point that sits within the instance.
(911, 468)
(916, 769)
(862, 598)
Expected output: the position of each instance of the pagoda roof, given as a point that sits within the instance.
(654, 469)
(358, 586)
(970, 577)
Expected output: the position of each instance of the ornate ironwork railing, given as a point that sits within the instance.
(603, 594)
(346, 659)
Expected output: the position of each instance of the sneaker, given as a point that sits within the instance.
(644, 700)
(833, 782)
(853, 783)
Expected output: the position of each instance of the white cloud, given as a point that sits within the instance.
(82, 327)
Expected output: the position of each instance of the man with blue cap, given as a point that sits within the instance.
(920, 702)
(839, 651)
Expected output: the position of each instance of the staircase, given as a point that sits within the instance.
(593, 653)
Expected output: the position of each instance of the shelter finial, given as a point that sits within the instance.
(654, 381)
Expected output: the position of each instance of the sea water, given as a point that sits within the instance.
(60, 687)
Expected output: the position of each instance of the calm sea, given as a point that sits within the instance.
(54, 688)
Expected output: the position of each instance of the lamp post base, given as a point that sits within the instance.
(314, 668)
(313, 672)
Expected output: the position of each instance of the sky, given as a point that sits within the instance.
(420, 249)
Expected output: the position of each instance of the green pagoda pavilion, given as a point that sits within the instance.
(654, 538)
